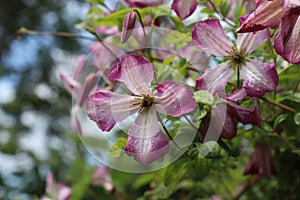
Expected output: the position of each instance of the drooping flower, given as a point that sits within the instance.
(56, 191)
(128, 25)
(101, 177)
(78, 91)
(184, 8)
(146, 142)
(225, 117)
(258, 77)
(261, 162)
(282, 13)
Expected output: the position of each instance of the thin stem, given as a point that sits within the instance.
(238, 76)
(25, 31)
(144, 32)
(222, 17)
(169, 135)
(93, 32)
(189, 121)
(285, 107)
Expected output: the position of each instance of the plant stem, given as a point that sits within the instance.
(222, 17)
(189, 121)
(169, 135)
(25, 31)
(93, 32)
(251, 182)
(144, 32)
(285, 107)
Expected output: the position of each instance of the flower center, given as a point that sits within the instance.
(238, 58)
(147, 101)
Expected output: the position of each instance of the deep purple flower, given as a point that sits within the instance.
(258, 77)
(213, 124)
(128, 26)
(56, 191)
(146, 142)
(184, 8)
(282, 13)
(261, 162)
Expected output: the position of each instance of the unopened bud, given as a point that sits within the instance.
(128, 25)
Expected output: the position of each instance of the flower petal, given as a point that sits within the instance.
(211, 38)
(135, 72)
(259, 77)
(146, 143)
(71, 85)
(237, 94)
(106, 108)
(89, 83)
(214, 80)
(250, 41)
(63, 193)
(105, 59)
(108, 30)
(287, 41)
(80, 67)
(173, 99)
(266, 14)
(128, 26)
(101, 177)
(184, 8)
(261, 162)
(245, 115)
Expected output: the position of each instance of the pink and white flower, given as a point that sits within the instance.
(102, 178)
(258, 77)
(146, 142)
(282, 13)
(56, 191)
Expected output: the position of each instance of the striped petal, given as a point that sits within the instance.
(173, 99)
(259, 77)
(135, 72)
(214, 80)
(184, 8)
(107, 108)
(287, 41)
(146, 143)
(266, 14)
(211, 38)
(250, 41)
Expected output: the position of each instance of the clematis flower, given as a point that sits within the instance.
(101, 177)
(258, 77)
(146, 142)
(56, 191)
(184, 8)
(213, 124)
(261, 162)
(282, 13)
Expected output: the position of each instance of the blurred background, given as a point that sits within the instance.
(35, 131)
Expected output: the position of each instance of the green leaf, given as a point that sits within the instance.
(176, 171)
(117, 148)
(225, 7)
(204, 97)
(101, 2)
(294, 97)
(297, 118)
(210, 149)
(168, 60)
(279, 119)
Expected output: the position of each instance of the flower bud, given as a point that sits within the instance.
(128, 25)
